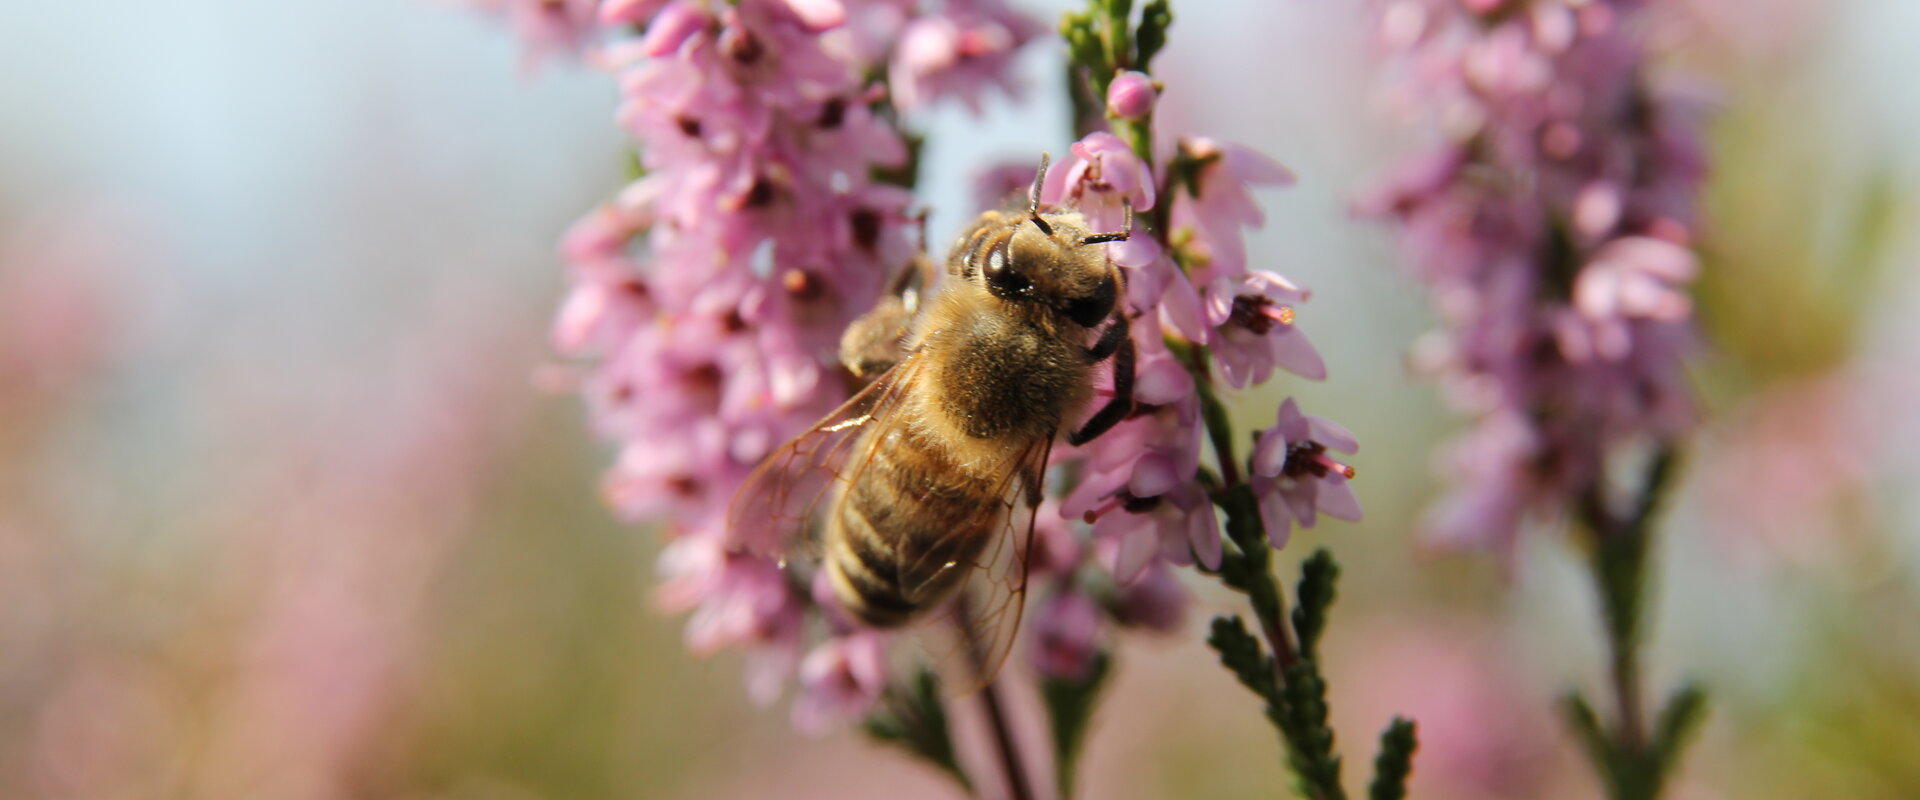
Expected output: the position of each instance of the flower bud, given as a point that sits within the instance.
(1131, 96)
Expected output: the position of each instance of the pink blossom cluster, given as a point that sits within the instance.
(1552, 226)
(709, 296)
(1189, 289)
(549, 28)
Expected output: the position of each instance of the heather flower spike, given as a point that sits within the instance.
(709, 295)
(1204, 317)
(1552, 223)
(1564, 286)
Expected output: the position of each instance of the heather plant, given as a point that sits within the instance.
(1554, 227)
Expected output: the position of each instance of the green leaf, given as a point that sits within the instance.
(1395, 762)
(1070, 706)
(1084, 48)
(1318, 577)
(1089, 112)
(1243, 522)
(1684, 712)
(1155, 19)
(1247, 566)
(1586, 728)
(912, 717)
(1305, 723)
(1243, 656)
(1119, 36)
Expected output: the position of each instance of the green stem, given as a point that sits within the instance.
(1243, 512)
(1620, 544)
(1213, 413)
(1618, 564)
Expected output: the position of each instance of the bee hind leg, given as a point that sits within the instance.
(1115, 342)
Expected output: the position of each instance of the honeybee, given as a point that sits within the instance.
(932, 473)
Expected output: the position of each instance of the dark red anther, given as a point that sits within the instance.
(1259, 314)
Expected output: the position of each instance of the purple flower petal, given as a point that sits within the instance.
(1336, 498)
(1332, 434)
(1274, 515)
(1203, 532)
(1295, 354)
(1269, 453)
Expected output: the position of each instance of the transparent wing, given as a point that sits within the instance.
(969, 639)
(774, 509)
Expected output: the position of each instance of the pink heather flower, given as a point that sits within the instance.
(735, 598)
(1057, 551)
(1102, 179)
(1131, 96)
(1220, 204)
(549, 28)
(615, 13)
(1154, 450)
(1636, 277)
(1245, 318)
(1294, 478)
(1154, 601)
(961, 51)
(1496, 488)
(1254, 330)
(1003, 183)
(1552, 227)
(1178, 525)
(840, 680)
(1066, 635)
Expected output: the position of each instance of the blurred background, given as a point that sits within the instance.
(286, 512)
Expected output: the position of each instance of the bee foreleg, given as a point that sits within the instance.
(1110, 339)
(1121, 349)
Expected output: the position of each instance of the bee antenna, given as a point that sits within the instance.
(1033, 197)
(1126, 228)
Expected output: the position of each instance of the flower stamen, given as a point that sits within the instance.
(1259, 313)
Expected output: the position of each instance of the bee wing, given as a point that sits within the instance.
(773, 509)
(970, 641)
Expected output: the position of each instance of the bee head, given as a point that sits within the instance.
(1044, 259)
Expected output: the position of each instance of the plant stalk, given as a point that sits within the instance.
(1018, 785)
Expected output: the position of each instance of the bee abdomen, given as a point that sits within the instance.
(907, 531)
(867, 586)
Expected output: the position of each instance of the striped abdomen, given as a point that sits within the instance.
(910, 529)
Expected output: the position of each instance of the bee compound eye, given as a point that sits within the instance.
(1090, 310)
(1002, 277)
(1087, 312)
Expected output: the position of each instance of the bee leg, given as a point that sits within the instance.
(1110, 339)
(1034, 480)
(877, 340)
(1116, 343)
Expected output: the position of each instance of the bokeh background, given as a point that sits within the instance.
(291, 508)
